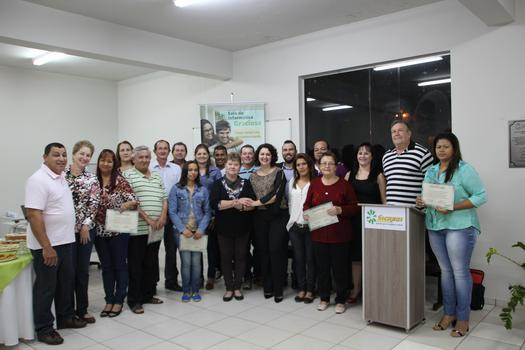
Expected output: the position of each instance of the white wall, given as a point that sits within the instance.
(487, 91)
(37, 108)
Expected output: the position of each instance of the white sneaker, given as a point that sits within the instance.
(340, 308)
(323, 305)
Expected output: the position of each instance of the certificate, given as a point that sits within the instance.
(438, 195)
(193, 245)
(155, 236)
(125, 222)
(318, 217)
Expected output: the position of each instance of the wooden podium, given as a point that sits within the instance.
(393, 265)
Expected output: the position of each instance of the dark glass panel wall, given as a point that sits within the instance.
(377, 98)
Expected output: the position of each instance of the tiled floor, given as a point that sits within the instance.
(256, 323)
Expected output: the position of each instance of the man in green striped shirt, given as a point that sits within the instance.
(143, 247)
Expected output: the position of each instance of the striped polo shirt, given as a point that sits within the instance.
(150, 192)
(405, 173)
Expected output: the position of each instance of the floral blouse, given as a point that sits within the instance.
(121, 193)
(86, 197)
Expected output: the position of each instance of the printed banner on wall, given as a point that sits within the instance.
(232, 125)
(385, 218)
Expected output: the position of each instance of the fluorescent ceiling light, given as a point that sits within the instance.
(434, 82)
(310, 99)
(335, 108)
(48, 57)
(184, 3)
(409, 62)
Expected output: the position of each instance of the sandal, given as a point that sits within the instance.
(154, 300)
(444, 323)
(106, 311)
(137, 309)
(457, 332)
(113, 313)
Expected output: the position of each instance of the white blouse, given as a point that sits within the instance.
(296, 198)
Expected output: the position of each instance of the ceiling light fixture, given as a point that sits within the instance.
(335, 108)
(184, 3)
(434, 82)
(48, 57)
(408, 63)
(310, 99)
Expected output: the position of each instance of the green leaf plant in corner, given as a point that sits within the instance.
(517, 291)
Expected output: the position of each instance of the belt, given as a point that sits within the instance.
(301, 226)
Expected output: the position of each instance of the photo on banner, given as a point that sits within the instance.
(232, 125)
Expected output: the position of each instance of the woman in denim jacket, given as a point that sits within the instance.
(453, 233)
(189, 209)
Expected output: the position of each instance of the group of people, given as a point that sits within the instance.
(242, 208)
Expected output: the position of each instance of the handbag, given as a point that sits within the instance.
(478, 290)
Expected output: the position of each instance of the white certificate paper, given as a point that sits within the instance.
(193, 245)
(125, 222)
(438, 195)
(318, 217)
(155, 236)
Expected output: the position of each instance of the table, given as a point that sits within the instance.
(16, 302)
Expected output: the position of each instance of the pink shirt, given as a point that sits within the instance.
(50, 193)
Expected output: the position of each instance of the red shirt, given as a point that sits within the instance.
(341, 194)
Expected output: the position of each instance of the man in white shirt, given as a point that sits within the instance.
(51, 238)
(170, 173)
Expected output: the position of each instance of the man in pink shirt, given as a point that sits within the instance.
(51, 238)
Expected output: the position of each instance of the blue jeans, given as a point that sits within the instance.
(191, 268)
(113, 255)
(453, 250)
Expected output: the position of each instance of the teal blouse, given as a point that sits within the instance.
(467, 185)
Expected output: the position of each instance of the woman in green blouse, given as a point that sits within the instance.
(453, 233)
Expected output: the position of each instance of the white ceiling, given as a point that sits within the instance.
(22, 57)
(233, 24)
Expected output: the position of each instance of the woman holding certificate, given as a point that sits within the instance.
(453, 233)
(270, 218)
(112, 247)
(333, 232)
(189, 209)
(86, 197)
(233, 223)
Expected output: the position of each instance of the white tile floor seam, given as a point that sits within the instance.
(258, 323)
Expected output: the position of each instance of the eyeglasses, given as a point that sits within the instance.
(327, 164)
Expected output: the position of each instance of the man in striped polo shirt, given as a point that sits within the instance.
(143, 247)
(404, 166)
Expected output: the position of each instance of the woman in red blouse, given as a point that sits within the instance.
(331, 243)
(112, 247)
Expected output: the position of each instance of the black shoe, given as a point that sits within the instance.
(51, 338)
(268, 295)
(227, 298)
(247, 285)
(209, 284)
(238, 296)
(72, 323)
(278, 299)
(174, 287)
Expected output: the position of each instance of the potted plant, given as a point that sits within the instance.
(517, 291)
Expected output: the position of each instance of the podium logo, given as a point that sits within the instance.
(371, 216)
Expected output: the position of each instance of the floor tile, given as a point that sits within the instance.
(426, 335)
(204, 317)
(96, 347)
(169, 329)
(328, 332)
(311, 312)
(235, 344)
(232, 326)
(476, 343)
(410, 345)
(166, 345)
(232, 308)
(136, 340)
(301, 342)
(366, 340)
(392, 332)
(348, 319)
(492, 332)
(518, 318)
(265, 336)
(292, 323)
(71, 341)
(105, 329)
(141, 321)
(260, 314)
(199, 339)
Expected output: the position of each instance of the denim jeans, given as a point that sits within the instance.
(191, 269)
(304, 258)
(81, 257)
(53, 283)
(113, 255)
(453, 250)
